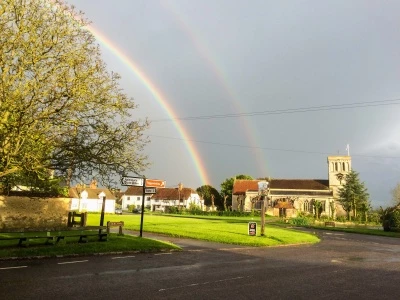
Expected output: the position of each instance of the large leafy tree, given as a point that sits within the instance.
(61, 112)
(353, 195)
(210, 195)
(396, 195)
(227, 187)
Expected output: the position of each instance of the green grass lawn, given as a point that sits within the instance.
(229, 230)
(361, 230)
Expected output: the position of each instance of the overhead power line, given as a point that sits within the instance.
(288, 111)
(267, 148)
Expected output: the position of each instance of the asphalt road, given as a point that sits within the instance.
(342, 266)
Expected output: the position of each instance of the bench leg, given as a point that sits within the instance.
(23, 239)
(59, 238)
(50, 240)
(103, 237)
(83, 239)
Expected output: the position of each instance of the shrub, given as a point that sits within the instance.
(299, 221)
(172, 210)
(390, 218)
(131, 207)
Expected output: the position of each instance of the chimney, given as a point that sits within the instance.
(93, 184)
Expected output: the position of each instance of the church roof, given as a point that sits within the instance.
(242, 186)
(300, 184)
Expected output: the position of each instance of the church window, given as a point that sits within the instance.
(344, 167)
(306, 206)
(336, 166)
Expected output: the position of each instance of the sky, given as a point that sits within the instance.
(262, 88)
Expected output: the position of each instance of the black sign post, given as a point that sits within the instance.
(142, 210)
(137, 181)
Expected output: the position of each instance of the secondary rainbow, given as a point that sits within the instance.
(158, 97)
(205, 52)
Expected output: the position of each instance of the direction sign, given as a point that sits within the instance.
(132, 181)
(155, 183)
(150, 190)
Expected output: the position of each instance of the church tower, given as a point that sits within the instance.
(338, 167)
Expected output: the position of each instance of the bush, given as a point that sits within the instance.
(300, 221)
(172, 210)
(131, 207)
(390, 218)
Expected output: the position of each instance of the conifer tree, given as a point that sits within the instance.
(353, 195)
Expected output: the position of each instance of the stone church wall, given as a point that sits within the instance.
(33, 213)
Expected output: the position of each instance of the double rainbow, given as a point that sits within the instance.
(159, 97)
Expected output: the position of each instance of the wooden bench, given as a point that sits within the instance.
(330, 223)
(24, 240)
(53, 237)
(84, 234)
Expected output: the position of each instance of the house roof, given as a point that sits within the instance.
(173, 193)
(242, 186)
(134, 191)
(75, 192)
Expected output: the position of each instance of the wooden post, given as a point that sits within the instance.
(262, 215)
(103, 206)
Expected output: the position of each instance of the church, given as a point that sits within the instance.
(289, 197)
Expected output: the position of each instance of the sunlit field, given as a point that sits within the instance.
(232, 230)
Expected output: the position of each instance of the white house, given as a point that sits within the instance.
(133, 195)
(84, 199)
(183, 197)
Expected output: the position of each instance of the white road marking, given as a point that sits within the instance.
(19, 267)
(72, 262)
(122, 257)
(163, 253)
(201, 283)
(329, 233)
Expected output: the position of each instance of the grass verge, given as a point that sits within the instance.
(353, 229)
(70, 246)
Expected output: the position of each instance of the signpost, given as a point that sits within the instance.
(149, 187)
(263, 189)
(150, 190)
(136, 181)
(155, 183)
(132, 181)
(252, 228)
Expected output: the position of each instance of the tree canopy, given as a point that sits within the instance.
(353, 195)
(396, 195)
(227, 186)
(61, 112)
(207, 192)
